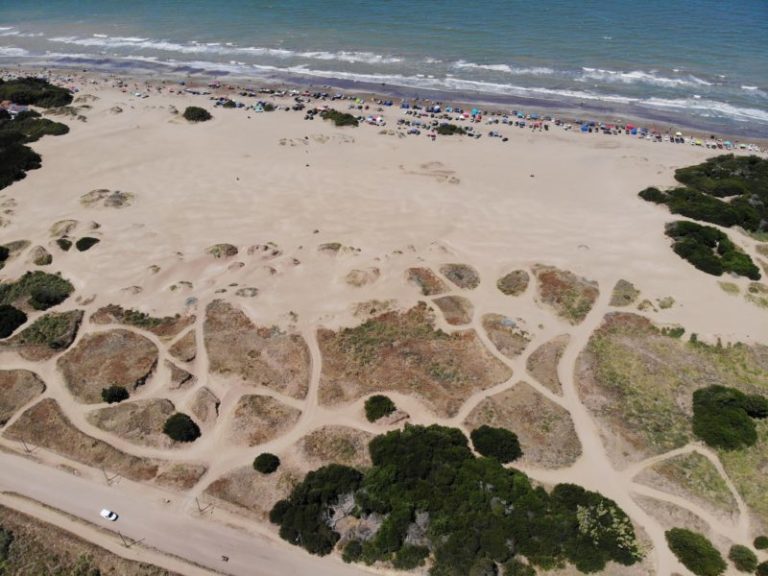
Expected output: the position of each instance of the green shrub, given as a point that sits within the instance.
(743, 558)
(762, 569)
(86, 243)
(353, 550)
(6, 539)
(10, 319)
(339, 118)
(377, 407)
(516, 568)
(653, 195)
(450, 130)
(709, 250)
(756, 406)
(496, 443)
(4, 253)
(181, 428)
(761, 542)
(15, 159)
(695, 552)
(720, 418)
(64, 244)
(43, 290)
(34, 128)
(409, 557)
(197, 114)
(35, 91)
(266, 463)
(114, 394)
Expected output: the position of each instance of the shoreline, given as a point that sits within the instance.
(659, 121)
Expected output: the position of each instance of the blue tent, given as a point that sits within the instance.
(585, 127)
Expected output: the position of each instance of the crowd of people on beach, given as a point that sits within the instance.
(415, 117)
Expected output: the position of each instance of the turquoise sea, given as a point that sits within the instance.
(701, 63)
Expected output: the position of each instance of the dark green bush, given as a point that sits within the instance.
(4, 253)
(743, 558)
(339, 118)
(34, 128)
(353, 550)
(409, 557)
(516, 568)
(64, 244)
(761, 542)
(35, 91)
(654, 195)
(756, 406)
(16, 160)
(450, 130)
(6, 539)
(496, 443)
(266, 463)
(709, 250)
(181, 428)
(10, 319)
(114, 394)
(197, 114)
(695, 552)
(86, 243)
(41, 289)
(377, 407)
(762, 569)
(720, 418)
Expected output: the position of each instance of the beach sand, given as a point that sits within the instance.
(555, 198)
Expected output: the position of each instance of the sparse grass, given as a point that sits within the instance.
(55, 329)
(730, 288)
(757, 294)
(569, 295)
(514, 283)
(624, 293)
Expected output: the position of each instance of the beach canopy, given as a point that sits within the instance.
(475, 111)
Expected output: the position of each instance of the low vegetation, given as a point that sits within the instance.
(165, 326)
(114, 394)
(378, 406)
(498, 443)
(196, 114)
(743, 558)
(722, 416)
(266, 463)
(761, 542)
(447, 129)
(38, 290)
(514, 283)
(339, 118)
(35, 91)
(10, 319)
(437, 501)
(710, 250)
(695, 552)
(570, 296)
(86, 243)
(181, 428)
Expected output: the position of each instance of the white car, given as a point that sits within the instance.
(108, 515)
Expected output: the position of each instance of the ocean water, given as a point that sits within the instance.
(701, 63)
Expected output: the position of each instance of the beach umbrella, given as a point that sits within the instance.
(475, 111)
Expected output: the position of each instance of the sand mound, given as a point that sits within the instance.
(39, 256)
(543, 362)
(257, 419)
(570, 296)
(45, 425)
(463, 275)
(457, 310)
(185, 348)
(402, 351)
(222, 250)
(362, 277)
(107, 198)
(506, 334)
(514, 283)
(336, 445)
(429, 283)
(258, 356)
(166, 327)
(47, 336)
(205, 406)
(139, 422)
(545, 430)
(115, 357)
(245, 488)
(17, 388)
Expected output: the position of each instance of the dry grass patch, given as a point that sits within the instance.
(180, 378)
(693, 477)
(402, 351)
(258, 356)
(509, 338)
(247, 489)
(462, 275)
(50, 334)
(103, 359)
(17, 389)
(362, 277)
(139, 422)
(543, 362)
(258, 419)
(429, 283)
(624, 294)
(457, 310)
(165, 327)
(336, 445)
(545, 429)
(672, 516)
(185, 348)
(514, 283)
(205, 406)
(757, 294)
(730, 288)
(180, 477)
(45, 425)
(570, 296)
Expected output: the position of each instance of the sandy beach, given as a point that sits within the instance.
(326, 218)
